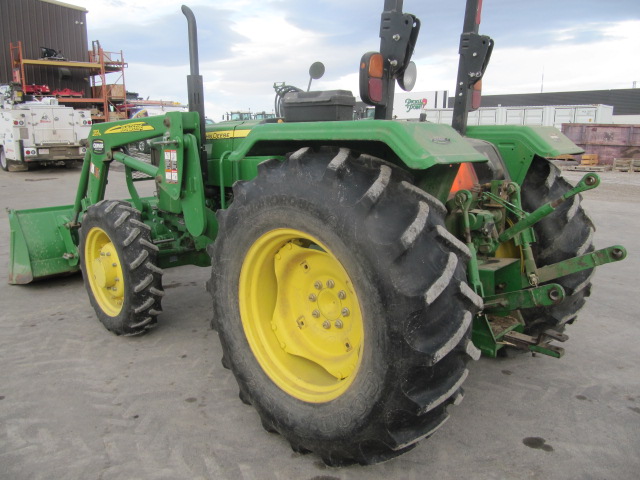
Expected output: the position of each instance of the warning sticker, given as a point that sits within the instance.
(95, 171)
(171, 166)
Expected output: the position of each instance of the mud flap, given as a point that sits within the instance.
(41, 244)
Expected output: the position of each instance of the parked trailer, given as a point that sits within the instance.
(548, 116)
(607, 141)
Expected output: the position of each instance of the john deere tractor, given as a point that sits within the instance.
(356, 267)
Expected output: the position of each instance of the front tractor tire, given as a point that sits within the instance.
(119, 266)
(342, 305)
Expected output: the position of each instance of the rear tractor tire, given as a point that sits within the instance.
(342, 305)
(119, 266)
(565, 233)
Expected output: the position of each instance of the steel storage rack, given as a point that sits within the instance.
(104, 97)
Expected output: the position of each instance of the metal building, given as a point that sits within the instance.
(44, 23)
(625, 101)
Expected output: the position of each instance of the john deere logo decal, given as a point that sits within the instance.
(130, 127)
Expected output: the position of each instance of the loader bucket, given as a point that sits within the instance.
(40, 244)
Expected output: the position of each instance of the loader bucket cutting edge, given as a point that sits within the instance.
(38, 245)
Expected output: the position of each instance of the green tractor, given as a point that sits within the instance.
(356, 267)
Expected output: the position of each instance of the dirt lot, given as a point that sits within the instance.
(77, 402)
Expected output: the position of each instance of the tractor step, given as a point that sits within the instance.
(560, 337)
(527, 342)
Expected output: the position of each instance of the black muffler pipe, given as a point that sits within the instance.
(195, 89)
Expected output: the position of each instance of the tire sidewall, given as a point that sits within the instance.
(354, 407)
(141, 277)
(90, 221)
(565, 236)
(408, 273)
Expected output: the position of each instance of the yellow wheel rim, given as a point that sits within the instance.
(301, 315)
(104, 270)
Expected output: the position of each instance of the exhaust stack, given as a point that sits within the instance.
(195, 89)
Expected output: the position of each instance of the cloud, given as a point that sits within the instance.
(569, 64)
(247, 45)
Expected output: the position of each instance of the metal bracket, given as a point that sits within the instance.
(589, 181)
(603, 256)
(476, 51)
(542, 296)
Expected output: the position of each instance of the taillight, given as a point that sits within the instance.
(372, 85)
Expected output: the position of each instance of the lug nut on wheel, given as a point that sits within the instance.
(326, 324)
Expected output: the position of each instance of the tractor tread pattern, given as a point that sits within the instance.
(423, 272)
(142, 277)
(565, 233)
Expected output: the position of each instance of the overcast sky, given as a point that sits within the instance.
(247, 45)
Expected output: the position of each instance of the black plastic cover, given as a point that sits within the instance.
(329, 105)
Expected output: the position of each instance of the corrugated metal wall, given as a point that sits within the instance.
(625, 101)
(39, 23)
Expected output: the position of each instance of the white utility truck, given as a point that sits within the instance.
(39, 131)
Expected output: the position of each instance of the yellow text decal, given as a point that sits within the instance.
(130, 127)
(225, 134)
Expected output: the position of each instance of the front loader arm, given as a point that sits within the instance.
(176, 174)
(44, 241)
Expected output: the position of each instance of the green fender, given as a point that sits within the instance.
(417, 145)
(518, 145)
